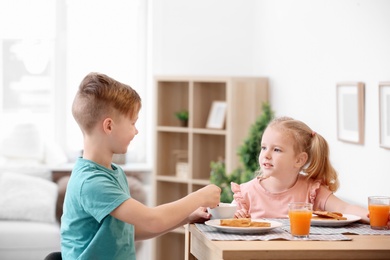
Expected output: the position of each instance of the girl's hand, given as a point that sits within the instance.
(242, 213)
(388, 223)
(200, 215)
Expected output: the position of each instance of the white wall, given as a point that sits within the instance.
(304, 47)
(203, 37)
(107, 37)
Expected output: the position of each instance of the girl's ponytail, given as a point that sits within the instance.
(319, 167)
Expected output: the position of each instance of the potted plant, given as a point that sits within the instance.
(248, 153)
(182, 115)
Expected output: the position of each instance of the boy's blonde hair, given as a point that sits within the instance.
(318, 164)
(100, 96)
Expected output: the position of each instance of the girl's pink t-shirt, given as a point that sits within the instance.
(261, 203)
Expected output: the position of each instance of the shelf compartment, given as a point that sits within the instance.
(206, 148)
(172, 191)
(172, 96)
(167, 144)
(204, 95)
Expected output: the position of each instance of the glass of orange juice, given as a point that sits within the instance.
(379, 209)
(300, 217)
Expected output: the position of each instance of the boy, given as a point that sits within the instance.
(100, 219)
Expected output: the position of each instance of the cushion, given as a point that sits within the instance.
(24, 197)
(28, 240)
(25, 166)
(25, 142)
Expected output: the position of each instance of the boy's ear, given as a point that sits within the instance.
(107, 125)
(301, 159)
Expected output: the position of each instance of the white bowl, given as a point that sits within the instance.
(223, 211)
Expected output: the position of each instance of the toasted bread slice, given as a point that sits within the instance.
(243, 222)
(236, 222)
(330, 215)
(260, 224)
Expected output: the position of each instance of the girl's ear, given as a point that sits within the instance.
(107, 125)
(301, 159)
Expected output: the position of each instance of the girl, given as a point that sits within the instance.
(295, 166)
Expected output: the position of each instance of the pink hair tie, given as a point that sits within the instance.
(313, 134)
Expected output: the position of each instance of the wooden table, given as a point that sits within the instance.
(361, 247)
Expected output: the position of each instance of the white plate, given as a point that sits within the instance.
(324, 222)
(243, 230)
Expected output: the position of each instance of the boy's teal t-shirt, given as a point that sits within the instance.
(88, 231)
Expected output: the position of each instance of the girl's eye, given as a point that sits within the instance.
(263, 148)
(277, 150)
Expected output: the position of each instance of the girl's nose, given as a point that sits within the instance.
(266, 154)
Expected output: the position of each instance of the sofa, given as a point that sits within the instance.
(28, 226)
(29, 229)
(30, 201)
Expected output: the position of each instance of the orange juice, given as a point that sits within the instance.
(379, 215)
(379, 207)
(300, 222)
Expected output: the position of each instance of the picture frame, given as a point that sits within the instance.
(217, 114)
(384, 115)
(350, 112)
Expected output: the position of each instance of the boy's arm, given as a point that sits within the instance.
(150, 222)
(199, 215)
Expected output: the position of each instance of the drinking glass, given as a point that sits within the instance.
(379, 208)
(300, 217)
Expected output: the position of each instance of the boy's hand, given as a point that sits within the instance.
(210, 195)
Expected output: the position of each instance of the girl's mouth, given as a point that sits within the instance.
(267, 165)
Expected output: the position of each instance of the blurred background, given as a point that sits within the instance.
(304, 47)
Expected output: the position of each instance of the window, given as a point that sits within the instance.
(27, 50)
(48, 46)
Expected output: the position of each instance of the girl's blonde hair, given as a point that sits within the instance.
(100, 96)
(318, 164)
